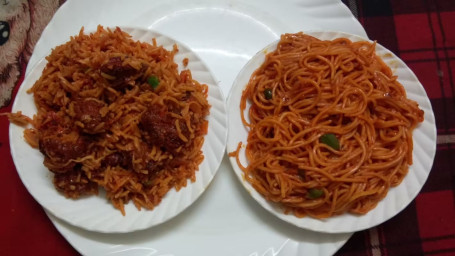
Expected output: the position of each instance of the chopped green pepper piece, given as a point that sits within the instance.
(314, 193)
(147, 183)
(107, 76)
(268, 93)
(330, 140)
(153, 81)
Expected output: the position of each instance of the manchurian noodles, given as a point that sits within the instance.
(330, 128)
(116, 113)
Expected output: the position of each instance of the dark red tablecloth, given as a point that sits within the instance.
(422, 33)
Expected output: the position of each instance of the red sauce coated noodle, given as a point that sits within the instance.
(307, 89)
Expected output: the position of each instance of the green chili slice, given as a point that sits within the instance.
(153, 81)
(268, 94)
(330, 140)
(315, 193)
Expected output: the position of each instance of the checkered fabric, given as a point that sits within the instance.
(422, 34)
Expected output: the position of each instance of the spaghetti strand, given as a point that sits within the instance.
(338, 89)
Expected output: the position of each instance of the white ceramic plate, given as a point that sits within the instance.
(95, 212)
(398, 198)
(225, 221)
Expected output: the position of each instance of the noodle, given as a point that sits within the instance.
(330, 127)
(116, 113)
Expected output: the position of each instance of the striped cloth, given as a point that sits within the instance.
(422, 34)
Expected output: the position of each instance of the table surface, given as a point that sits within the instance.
(421, 32)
